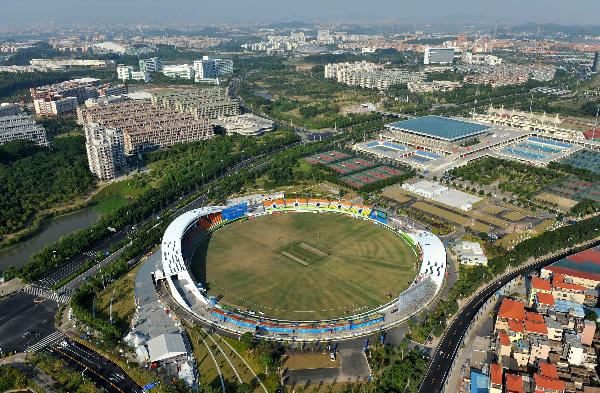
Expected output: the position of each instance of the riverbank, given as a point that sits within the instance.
(42, 218)
(52, 229)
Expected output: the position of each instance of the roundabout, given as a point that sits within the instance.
(299, 269)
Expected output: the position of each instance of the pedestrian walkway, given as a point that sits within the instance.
(47, 294)
(51, 339)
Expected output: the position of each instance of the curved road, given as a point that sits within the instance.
(449, 345)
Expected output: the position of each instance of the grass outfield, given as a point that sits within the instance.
(351, 265)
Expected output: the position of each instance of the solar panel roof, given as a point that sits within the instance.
(439, 127)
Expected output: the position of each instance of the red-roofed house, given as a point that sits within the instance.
(495, 378)
(505, 345)
(548, 370)
(534, 317)
(510, 310)
(514, 383)
(515, 330)
(567, 291)
(548, 384)
(543, 302)
(536, 328)
(538, 285)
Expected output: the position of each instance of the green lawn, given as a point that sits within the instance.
(364, 265)
(118, 194)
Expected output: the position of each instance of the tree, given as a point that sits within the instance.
(247, 340)
(590, 108)
(590, 315)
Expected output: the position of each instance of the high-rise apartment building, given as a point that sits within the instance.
(371, 75)
(105, 150)
(21, 126)
(146, 126)
(7, 109)
(596, 63)
(211, 102)
(53, 100)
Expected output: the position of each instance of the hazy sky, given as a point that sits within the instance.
(106, 11)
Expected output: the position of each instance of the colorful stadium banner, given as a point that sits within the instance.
(234, 212)
(379, 216)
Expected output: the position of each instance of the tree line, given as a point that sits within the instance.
(183, 168)
(34, 178)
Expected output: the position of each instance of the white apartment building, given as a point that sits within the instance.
(298, 37)
(209, 69)
(68, 63)
(182, 71)
(153, 64)
(429, 87)
(105, 150)
(370, 75)
(55, 107)
(21, 126)
(338, 70)
(211, 102)
(8, 109)
(438, 55)
(126, 73)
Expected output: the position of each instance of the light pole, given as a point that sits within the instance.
(110, 307)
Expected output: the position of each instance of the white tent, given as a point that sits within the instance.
(166, 346)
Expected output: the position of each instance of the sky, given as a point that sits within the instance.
(18, 13)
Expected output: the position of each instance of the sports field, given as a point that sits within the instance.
(305, 266)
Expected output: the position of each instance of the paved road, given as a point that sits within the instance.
(25, 321)
(104, 373)
(73, 265)
(449, 345)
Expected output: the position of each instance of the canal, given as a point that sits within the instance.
(54, 229)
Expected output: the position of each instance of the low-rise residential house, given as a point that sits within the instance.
(514, 383)
(555, 329)
(510, 310)
(496, 384)
(538, 285)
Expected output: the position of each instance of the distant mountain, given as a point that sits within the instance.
(289, 25)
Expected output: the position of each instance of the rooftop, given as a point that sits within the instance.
(479, 382)
(512, 309)
(548, 370)
(514, 383)
(496, 374)
(585, 264)
(439, 127)
(541, 284)
(545, 298)
(536, 327)
(545, 383)
(166, 346)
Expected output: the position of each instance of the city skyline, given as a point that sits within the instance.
(578, 12)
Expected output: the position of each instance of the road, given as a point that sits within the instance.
(104, 373)
(72, 266)
(449, 345)
(25, 321)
